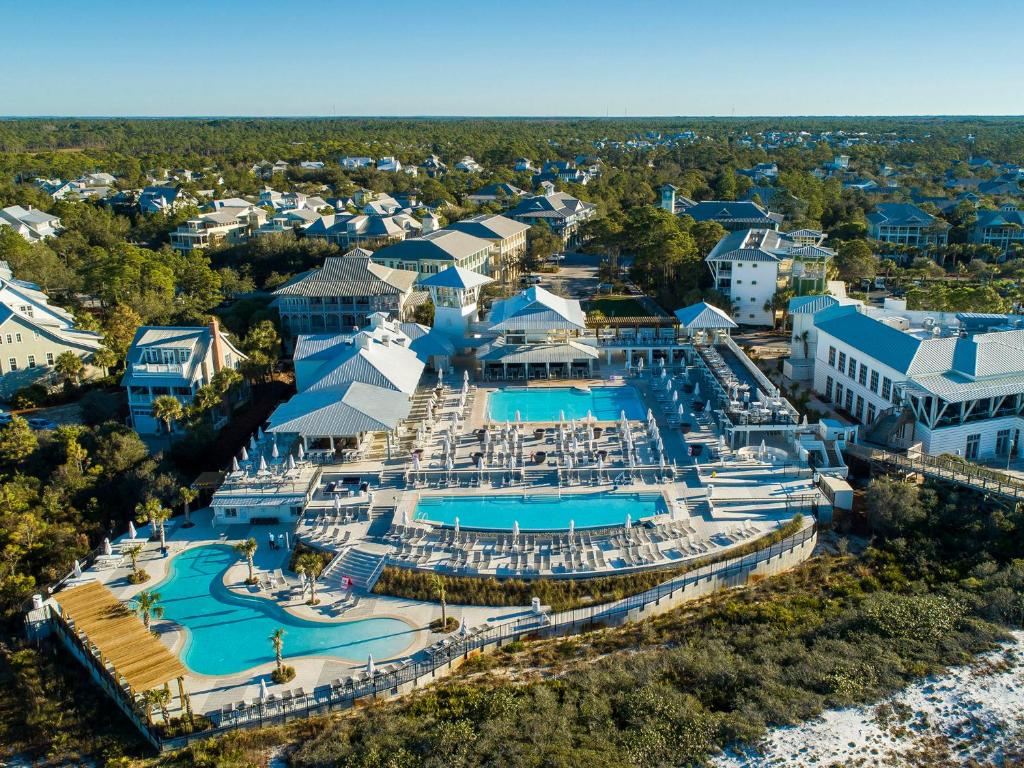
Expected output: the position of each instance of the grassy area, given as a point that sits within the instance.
(618, 306)
(560, 594)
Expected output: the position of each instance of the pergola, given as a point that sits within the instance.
(132, 654)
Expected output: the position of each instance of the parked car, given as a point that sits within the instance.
(41, 423)
(532, 280)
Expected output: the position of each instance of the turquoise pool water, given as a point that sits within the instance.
(540, 513)
(228, 633)
(546, 403)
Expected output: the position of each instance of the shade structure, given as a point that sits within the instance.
(465, 378)
(337, 504)
(124, 642)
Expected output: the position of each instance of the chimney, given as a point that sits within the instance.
(385, 340)
(362, 341)
(216, 344)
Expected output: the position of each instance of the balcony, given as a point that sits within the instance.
(158, 369)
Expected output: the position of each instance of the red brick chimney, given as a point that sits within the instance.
(217, 344)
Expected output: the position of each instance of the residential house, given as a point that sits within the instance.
(508, 236)
(1002, 228)
(433, 167)
(354, 163)
(389, 164)
(288, 222)
(523, 165)
(342, 294)
(761, 172)
(435, 251)
(906, 224)
(734, 215)
(177, 362)
(469, 165)
(34, 333)
(163, 199)
(503, 193)
(231, 225)
(559, 211)
(31, 223)
(348, 230)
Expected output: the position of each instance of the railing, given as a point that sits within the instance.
(389, 682)
(158, 368)
(979, 478)
(747, 363)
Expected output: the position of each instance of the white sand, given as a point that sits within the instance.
(967, 713)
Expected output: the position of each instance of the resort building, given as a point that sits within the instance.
(906, 224)
(342, 294)
(943, 383)
(233, 225)
(508, 236)
(31, 223)
(34, 333)
(1002, 228)
(455, 293)
(351, 230)
(436, 251)
(165, 360)
(537, 335)
(559, 211)
(751, 266)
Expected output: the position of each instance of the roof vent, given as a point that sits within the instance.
(936, 330)
(362, 341)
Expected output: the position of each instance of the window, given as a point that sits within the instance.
(871, 413)
(862, 375)
(17, 337)
(842, 362)
(49, 358)
(839, 395)
(874, 381)
(832, 356)
(851, 369)
(31, 361)
(973, 447)
(849, 400)
(828, 387)
(1002, 442)
(10, 339)
(230, 512)
(886, 387)
(859, 413)
(12, 363)
(753, 282)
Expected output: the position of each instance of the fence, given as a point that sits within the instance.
(392, 682)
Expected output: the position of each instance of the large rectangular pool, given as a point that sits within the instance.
(542, 512)
(549, 403)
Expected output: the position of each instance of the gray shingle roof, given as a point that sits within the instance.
(354, 274)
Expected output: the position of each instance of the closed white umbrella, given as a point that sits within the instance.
(561, 416)
(640, 364)
(572, 527)
(107, 549)
(515, 529)
(245, 454)
(405, 515)
(132, 533)
(259, 433)
(274, 452)
(650, 415)
(263, 463)
(600, 463)
(465, 378)
(440, 378)
(415, 462)
(675, 397)
(519, 416)
(629, 521)
(337, 504)
(234, 464)
(252, 443)
(291, 462)
(696, 389)
(456, 526)
(449, 464)
(264, 693)
(622, 416)
(590, 416)
(371, 669)
(682, 411)
(803, 421)
(77, 570)
(301, 452)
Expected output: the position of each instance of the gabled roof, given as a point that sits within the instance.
(903, 215)
(731, 211)
(811, 305)
(704, 316)
(557, 205)
(442, 245)
(536, 309)
(455, 277)
(490, 226)
(370, 361)
(354, 274)
(349, 410)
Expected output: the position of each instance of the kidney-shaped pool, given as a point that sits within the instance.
(229, 633)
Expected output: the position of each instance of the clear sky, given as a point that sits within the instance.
(530, 57)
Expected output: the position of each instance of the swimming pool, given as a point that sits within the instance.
(547, 403)
(228, 633)
(541, 512)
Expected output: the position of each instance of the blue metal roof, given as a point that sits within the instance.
(890, 346)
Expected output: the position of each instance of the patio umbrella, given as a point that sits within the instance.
(405, 515)
(371, 670)
(245, 454)
(337, 504)
(259, 434)
(763, 449)
(449, 464)
(629, 521)
(640, 364)
(77, 570)
(568, 463)
(301, 452)
(463, 627)
(263, 463)
(274, 452)
(515, 529)
(696, 390)
(650, 415)
(600, 463)
(132, 534)
(572, 527)
(590, 416)
(675, 397)
(440, 378)
(664, 371)
(264, 693)
(622, 416)
(561, 416)
(465, 378)
(682, 411)
(107, 549)
(252, 443)
(803, 421)
(456, 526)
(590, 431)
(661, 460)
(519, 417)
(291, 462)
(234, 464)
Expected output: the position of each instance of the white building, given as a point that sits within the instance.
(455, 293)
(948, 384)
(31, 223)
(177, 362)
(227, 224)
(750, 266)
(34, 333)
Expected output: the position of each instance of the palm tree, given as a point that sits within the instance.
(157, 698)
(133, 553)
(68, 366)
(167, 409)
(277, 641)
(312, 565)
(153, 512)
(187, 496)
(247, 549)
(437, 587)
(805, 338)
(146, 605)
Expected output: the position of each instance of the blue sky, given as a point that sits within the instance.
(531, 57)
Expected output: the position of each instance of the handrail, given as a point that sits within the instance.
(450, 649)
